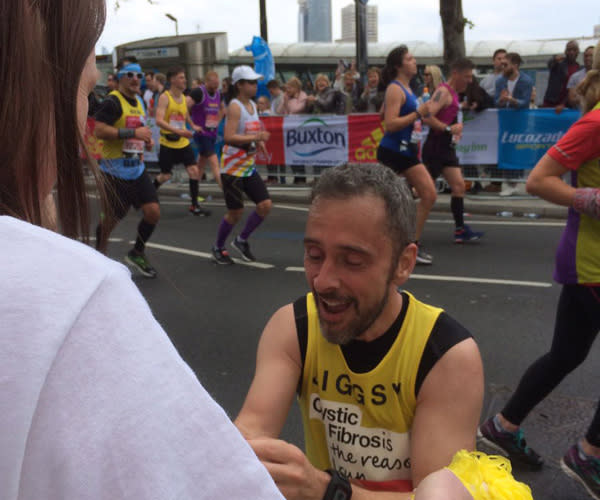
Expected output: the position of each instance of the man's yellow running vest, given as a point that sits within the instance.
(132, 117)
(359, 423)
(175, 115)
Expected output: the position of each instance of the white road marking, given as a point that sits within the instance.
(463, 279)
(205, 255)
(113, 240)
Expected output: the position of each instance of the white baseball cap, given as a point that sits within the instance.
(244, 73)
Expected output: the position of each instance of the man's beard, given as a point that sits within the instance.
(356, 327)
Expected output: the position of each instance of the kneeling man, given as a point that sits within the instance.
(389, 388)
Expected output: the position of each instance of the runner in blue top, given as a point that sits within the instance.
(399, 148)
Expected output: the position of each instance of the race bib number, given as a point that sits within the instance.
(212, 121)
(252, 127)
(133, 146)
(177, 121)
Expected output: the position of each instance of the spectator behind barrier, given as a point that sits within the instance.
(325, 100)
(294, 98)
(371, 99)
(561, 67)
(513, 88)
(294, 102)
(351, 92)
(274, 88)
(476, 98)
(488, 82)
(432, 77)
(578, 76)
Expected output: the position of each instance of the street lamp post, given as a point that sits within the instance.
(263, 20)
(174, 19)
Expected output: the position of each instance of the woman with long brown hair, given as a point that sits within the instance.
(95, 401)
(398, 148)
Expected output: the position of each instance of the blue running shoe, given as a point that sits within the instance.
(465, 234)
(585, 470)
(509, 444)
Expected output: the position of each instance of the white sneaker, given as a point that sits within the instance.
(509, 189)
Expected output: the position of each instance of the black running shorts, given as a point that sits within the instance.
(398, 162)
(235, 187)
(169, 157)
(439, 153)
(123, 194)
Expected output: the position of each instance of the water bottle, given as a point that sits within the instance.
(425, 96)
(504, 214)
(459, 119)
(417, 132)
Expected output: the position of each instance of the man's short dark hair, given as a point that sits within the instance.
(591, 47)
(174, 71)
(126, 60)
(347, 181)
(498, 51)
(149, 73)
(514, 58)
(272, 84)
(462, 64)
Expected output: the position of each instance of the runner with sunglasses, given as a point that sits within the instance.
(172, 116)
(244, 135)
(121, 124)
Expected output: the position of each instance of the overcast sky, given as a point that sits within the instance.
(399, 20)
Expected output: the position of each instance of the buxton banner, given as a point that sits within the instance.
(525, 135)
(315, 140)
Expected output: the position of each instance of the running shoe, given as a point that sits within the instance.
(585, 470)
(199, 211)
(466, 234)
(509, 444)
(244, 248)
(423, 257)
(139, 262)
(221, 256)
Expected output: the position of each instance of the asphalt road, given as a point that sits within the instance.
(499, 288)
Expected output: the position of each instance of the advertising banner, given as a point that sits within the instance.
(479, 142)
(525, 135)
(365, 132)
(275, 154)
(315, 140)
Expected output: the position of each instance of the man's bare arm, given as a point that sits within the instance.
(448, 410)
(278, 370)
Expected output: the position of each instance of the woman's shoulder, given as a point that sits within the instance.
(46, 256)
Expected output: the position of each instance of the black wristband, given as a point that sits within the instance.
(339, 487)
(126, 133)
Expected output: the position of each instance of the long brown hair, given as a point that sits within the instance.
(44, 45)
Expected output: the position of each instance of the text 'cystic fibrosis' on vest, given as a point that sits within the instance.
(378, 393)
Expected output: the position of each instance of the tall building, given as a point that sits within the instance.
(349, 23)
(314, 20)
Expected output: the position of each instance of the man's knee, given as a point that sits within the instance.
(264, 207)
(151, 213)
(234, 216)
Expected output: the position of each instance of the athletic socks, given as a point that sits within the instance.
(457, 205)
(194, 192)
(224, 231)
(254, 220)
(144, 232)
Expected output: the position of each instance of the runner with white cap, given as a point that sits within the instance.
(244, 135)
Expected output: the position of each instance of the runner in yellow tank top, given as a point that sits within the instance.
(390, 388)
(172, 117)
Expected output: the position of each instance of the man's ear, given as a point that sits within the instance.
(406, 264)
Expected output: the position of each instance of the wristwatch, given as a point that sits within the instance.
(339, 487)
(448, 129)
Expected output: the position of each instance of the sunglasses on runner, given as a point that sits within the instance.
(251, 82)
(131, 74)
